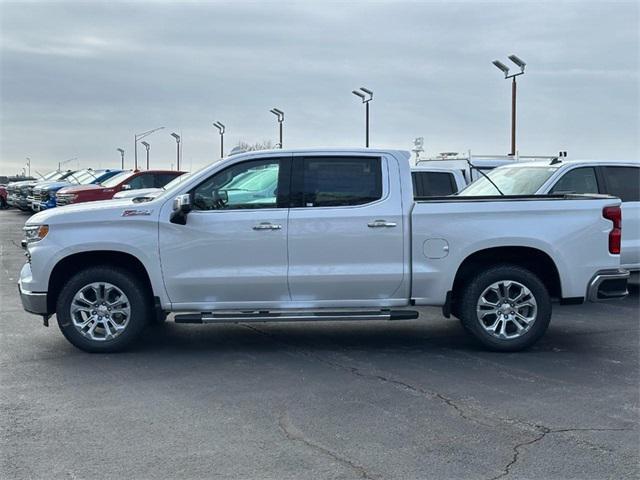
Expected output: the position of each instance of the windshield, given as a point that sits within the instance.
(116, 179)
(511, 181)
(82, 177)
(177, 181)
(51, 175)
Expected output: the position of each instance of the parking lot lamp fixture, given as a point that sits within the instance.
(28, 166)
(501, 66)
(280, 114)
(136, 139)
(177, 137)
(147, 146)
(121, 150)
(366, 95)
(221, 128)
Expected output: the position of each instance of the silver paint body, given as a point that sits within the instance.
(322, 257)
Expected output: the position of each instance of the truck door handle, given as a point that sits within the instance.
(381, 224)
(267, 226)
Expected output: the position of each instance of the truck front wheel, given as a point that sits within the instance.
(102, 309)
(507, 308)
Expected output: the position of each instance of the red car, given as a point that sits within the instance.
(3, 196)
(127, 180)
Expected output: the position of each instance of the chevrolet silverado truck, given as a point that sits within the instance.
(339, 237)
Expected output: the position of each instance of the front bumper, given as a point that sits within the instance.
(33, 302)
(608, 285)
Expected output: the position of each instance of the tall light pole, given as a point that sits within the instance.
(137, 138)
(513, 76)
(366, 95)
(66, 161)
(280, 114)
(29, 166)
(121, 150)
(177, 137)
(221, 128)
(146, 145)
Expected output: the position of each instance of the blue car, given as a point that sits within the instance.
(44, 194)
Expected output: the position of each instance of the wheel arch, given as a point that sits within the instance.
(533, 259)
(68, 266)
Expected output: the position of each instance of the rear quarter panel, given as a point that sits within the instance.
(572, 232)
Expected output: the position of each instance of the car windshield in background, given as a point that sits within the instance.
(177, 181)
(116, 179)
(83, 177)
(51, 175)
(510, 181)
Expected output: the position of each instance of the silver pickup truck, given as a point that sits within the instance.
(322, 234)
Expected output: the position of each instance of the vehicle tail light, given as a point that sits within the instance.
(615, 235)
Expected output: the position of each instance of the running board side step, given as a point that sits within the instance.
(293, 316)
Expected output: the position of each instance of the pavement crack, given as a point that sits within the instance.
(516, 453)
(542, 433)
(294, 434)
(402, 385)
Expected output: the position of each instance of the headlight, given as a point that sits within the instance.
(35, 233)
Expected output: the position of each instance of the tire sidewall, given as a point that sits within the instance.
(122, 279)
(477, 286)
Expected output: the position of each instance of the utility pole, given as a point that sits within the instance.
(177, 137)
(147, 146)
(520, 63)
(280, 114)
(138, 137)
(121, 150)
(366, 95)
(221, 128)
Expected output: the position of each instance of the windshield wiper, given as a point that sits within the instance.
(472, 167)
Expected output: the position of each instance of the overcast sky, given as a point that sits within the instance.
(78, 79)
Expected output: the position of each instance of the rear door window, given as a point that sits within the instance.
(623, 182)
(337, 181)
(578, 180)
(433, 184)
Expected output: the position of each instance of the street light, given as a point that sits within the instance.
(366, 97)
(138, 137)
(280, 114)
(29, 165)
(66, 161)
(221, 129)
(177, 137)
(519, 63)
(146, 145)
(121, 150)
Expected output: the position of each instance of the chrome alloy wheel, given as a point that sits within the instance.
(506, 309)
(100, 311)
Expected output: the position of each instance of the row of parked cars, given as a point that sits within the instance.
(64, 187)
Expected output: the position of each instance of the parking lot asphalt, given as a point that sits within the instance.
(374, 400)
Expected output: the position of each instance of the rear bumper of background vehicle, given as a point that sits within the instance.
(608, 285)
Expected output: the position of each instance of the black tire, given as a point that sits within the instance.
(129, 284)
(473, 289)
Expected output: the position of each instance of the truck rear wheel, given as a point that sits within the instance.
(102, 309)
(506, 308)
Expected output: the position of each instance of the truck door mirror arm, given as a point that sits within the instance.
(181, 207)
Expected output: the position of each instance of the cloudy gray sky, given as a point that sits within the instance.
(78, 79)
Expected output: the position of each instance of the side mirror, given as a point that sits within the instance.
(126, 186)
(181, 207)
